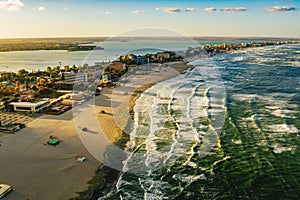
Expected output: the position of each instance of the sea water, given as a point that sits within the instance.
(227, 135)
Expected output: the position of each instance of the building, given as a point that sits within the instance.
(117, 66)
(165, 56)
(97, 74)
(141, 60)
(64, 85)
(75, 77)
(106, 78)
(30, 107)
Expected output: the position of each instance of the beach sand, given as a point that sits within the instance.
(118, 105)
(39, 171)
(117, 113)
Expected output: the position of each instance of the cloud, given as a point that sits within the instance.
(239, 9)
(280, 9)
(168, 10)
(191, 10)
(212, 9)
(138, 12)
(41, 8)
(66, 9)
(108, 12)
(11, 5)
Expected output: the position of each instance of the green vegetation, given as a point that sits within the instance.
(71, 44)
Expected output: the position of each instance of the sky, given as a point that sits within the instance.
(87, 18)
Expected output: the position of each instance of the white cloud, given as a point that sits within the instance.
(66, 9)
(11, 5)
(108, 12)
(239, 9)
(168, 10)
(138, 12)
(212, 9)
(191, 10)
(280, 9)
(41, 8)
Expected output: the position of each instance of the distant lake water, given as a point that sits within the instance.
(33, 60)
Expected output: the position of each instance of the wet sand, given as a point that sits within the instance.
(118, 103)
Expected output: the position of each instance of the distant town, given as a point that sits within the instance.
(226, 48)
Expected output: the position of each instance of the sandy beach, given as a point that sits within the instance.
(39, 171)
(116, 121)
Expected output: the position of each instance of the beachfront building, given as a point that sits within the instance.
(117, 66)
(30, 107)
(165, 56)
(139, 60)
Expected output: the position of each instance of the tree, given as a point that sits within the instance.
(56, 69)
(17, 87)
(74, 68)
(22, 72)
(26, 84)
(49, 69)
(34, 87)
(67, 68)
(41, 82)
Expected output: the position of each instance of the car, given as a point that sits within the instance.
(4, 189)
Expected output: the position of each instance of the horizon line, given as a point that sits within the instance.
(148, 36)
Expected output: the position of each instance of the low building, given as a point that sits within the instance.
(167, 55)
(30, 107)
(75, 77)
(106, 78)
(141, 60)
(117, 66)
(64, 85)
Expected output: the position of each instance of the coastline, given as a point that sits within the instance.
(105, 176)
(90, 177)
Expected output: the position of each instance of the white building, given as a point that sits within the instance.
(76, 77)
(30, 107)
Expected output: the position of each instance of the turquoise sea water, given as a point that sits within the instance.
(180, 150)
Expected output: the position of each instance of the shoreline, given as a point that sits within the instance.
(105, 175)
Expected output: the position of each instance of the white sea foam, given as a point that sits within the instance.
(283, 113)
(236, 141)
(282, 128)
(278, 149)
(189, 178)
(185, 100)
